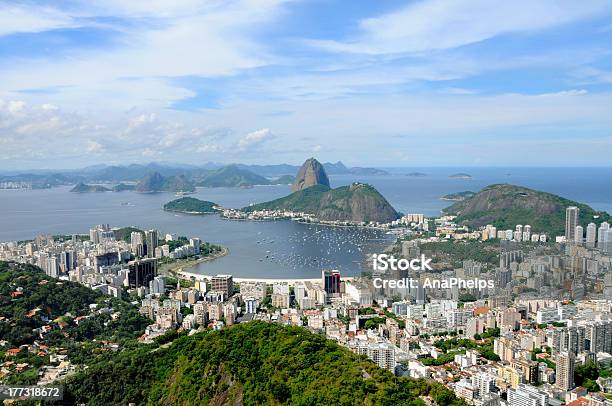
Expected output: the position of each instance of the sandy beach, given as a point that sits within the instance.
(289, 281)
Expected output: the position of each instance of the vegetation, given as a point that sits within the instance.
(122, 187)
(484, 347)
(459, 196)
(587, 374)
(125, 233)
(155, 182)
(255, 363)
(191, 205)
(455, 252)
(357, 202)
(505, 206)
(230, 176)
(31, 301)
(83, 188)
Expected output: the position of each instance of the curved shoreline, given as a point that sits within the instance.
(290, 281)
(177, 268)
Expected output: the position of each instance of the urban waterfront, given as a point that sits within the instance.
(279, 249)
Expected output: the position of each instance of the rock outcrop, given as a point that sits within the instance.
(310, 174)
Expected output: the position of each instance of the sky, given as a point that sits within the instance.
(379, 83)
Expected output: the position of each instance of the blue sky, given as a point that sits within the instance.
(393, 83)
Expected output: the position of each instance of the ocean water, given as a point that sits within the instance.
(281, 249)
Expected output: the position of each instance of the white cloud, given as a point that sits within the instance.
(49, 107)
(15, 106)
(209, 148)
(20, 18)
(255, 138)
(164, 40)
(428, 25)
(94, 146)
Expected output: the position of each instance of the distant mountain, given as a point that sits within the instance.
(310, 174)
(460, 176)
(283, 180)
(358, 203)
(135, 172)
(191, 205)
(339, 168)
(416, 174)
(356, 170)
(155, 182)
(505, 206)
(230, 176)
(44, 181)
(83, 188)
(122, 187)
(270, 170)
(459, 196)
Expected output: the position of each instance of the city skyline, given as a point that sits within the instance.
(433, 82)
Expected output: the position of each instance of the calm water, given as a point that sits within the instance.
(281, 249)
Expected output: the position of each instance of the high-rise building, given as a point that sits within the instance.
(598, 337)
(158, 285)
(603, 227)
(195, 243)
(331, 281)
(141, 272)
(571, 221)
(606, 244)
(222, 283)
(137, 244)
(250, 305)
(527, 395)
(152, 240)
(578, 234)
(566, 362)
(591, 234)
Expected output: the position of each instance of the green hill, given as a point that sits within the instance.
(231, 176)
(191, 205)
(31, 300)
(254, 363)
(83, 188)
(505, 206)
(155, 182)
(357, 202)
(122, 187)
(459, 196)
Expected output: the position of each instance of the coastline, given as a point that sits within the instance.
(269, 281)
(175, 269)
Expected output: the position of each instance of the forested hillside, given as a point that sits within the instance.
(255, 363)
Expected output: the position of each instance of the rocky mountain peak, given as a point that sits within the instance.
(310, 174)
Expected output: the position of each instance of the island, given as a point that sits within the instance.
(458, 196)
(416, 174)
(155, 182)
(122, 187)
(460, 176)
(358, 202)
(191, 205)
(84, 188)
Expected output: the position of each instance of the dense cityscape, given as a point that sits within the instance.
(541, 336)
(306, 203)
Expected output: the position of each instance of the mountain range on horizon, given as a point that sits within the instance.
(242, 174)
